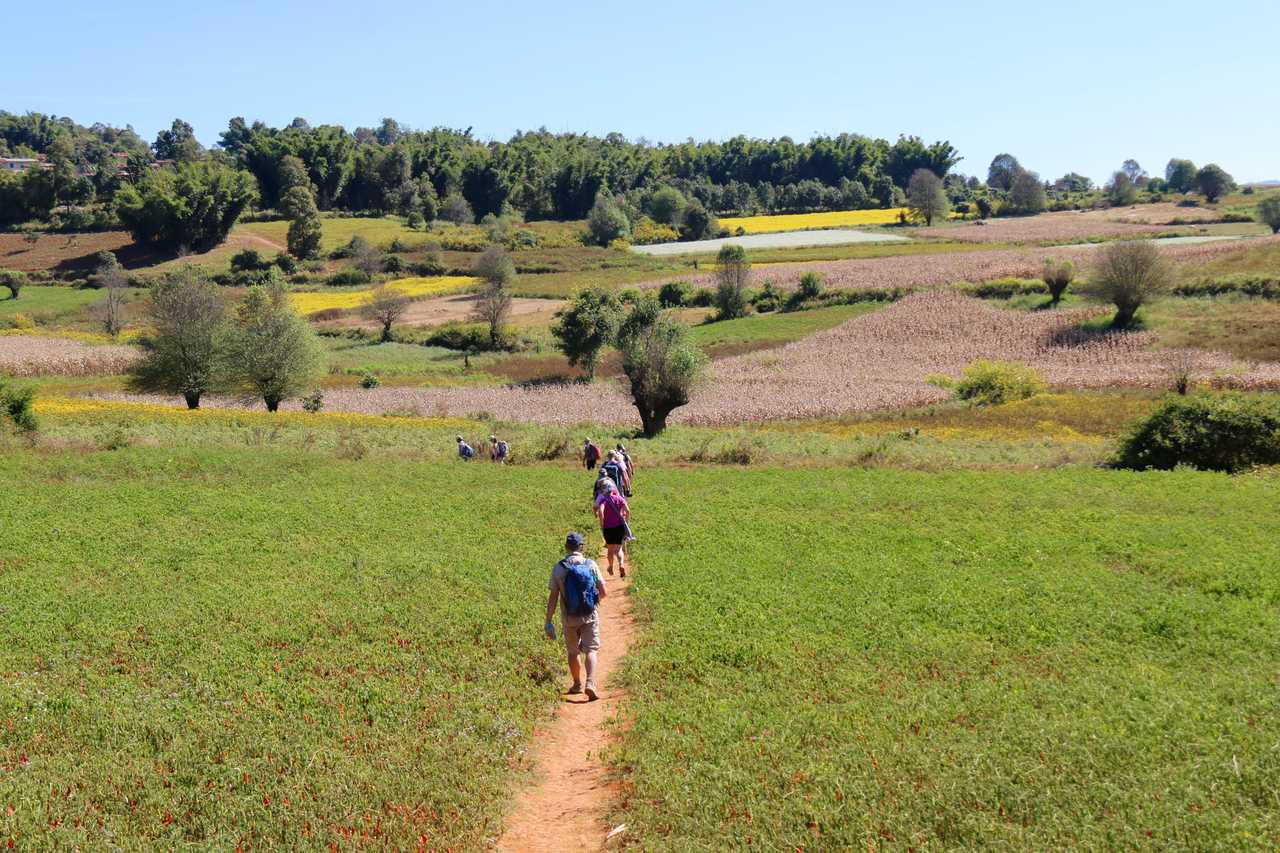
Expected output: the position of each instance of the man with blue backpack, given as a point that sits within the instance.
(577, 585)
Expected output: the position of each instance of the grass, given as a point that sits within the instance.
(809, 221)
(227, 648)
(1046, 431)
(262, 646)
(802, 254)
(839, 660)
(760, 330)
(399, 362)
(46, 305)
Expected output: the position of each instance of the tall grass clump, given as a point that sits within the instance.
(989, 383)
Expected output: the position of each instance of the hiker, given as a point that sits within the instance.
(626, 459)
(497, 450)
(616, 470)
(465, 451)
(613, 511)
(577, 585)
(590, 454)
(603, 485)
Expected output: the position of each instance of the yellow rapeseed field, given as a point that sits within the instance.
(810, 221)
(417, 287)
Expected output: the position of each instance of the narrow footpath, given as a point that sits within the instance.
(564, 807)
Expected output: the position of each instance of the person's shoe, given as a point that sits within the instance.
(591, 692)
(575, 690)
(623, 570)
(610, 571)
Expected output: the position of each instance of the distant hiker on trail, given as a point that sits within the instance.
(590, 455)
(626, 459)
(613, 511)
(465, 451)
(615, 469)
(497, 450)
(577, 585)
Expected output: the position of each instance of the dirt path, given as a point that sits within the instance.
(564, 808)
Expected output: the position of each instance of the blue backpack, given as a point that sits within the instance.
(579, 588)
(614, 471)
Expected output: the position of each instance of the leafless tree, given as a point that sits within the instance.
(385, 307)
(496, 271)
(110, 309)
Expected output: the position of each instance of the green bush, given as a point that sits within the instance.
(1004, 288)
(15, 405)
(369, 380)
(703, 297)
(1213, 432)
(348, 278)
(675, 294)
(990, 383)
(248, 260)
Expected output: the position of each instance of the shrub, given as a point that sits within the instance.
(313, 402)
(247, 260)
(607, 221)
(1127, 275)
(769, 299)
(647, 231)
(810, 286)
(1246, 284)
(1004, 288)
(15, 406)
(732, 276)
(1057, 276)
(14, 281)
(1211, 432)
(369, 380)
(990, 383)
(1269, 212)
(348, 278)
(703, 297)
(286, 263)
(674, 294)
(630, 296)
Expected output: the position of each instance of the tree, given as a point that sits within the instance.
(1057, 275)
(1121, 190)
(697, 223)
(273, 353)
(1180, 175)
(195, 206)
(457, 211)
(1003, 169)
(292, 172)
(927, 197)
(1269, 212)
(178, 143)
(1213, 182)
(661, 363)
(1027, 193)
(586, 326)
(1128, 274)
(385, 307)
(733, 274)
(1134, 172)
(365, 256)
(305, 230)
(110, 308)
(607, 221)
(185, 352)
(666, 206)
(13, 280)
(496, 271)
(1074, 182)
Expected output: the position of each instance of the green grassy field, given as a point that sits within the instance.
(237, 647)
(775, 328)
(47, 305)
(840, 660)
(267, 647)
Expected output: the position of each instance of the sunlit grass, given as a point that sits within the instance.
(807, 221)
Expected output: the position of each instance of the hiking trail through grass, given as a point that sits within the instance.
(564, 806)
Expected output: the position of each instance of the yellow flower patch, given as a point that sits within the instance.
(417, 287)
(810, 221)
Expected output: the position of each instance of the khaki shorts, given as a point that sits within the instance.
(580, 639)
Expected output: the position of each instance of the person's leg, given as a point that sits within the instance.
(571, 644)
(589, 639)
(612, 552)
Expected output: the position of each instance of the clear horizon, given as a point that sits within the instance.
(1002, 79)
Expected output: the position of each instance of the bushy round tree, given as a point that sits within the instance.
(607, 221)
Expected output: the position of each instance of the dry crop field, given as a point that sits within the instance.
(38, 355)
(1064, 227)
(924, 271)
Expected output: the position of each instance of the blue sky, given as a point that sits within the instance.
(1078, 86)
